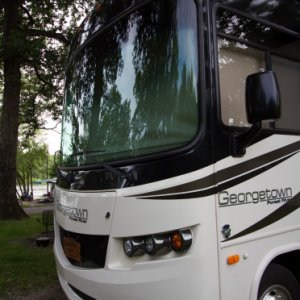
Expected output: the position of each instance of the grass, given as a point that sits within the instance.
(24, 267)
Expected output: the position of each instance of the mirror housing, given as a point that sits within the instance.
(262, 103)
(262, 97)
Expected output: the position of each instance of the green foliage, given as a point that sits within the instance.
(52, 167)
(24, 267)
(41, 42)
(33, 161)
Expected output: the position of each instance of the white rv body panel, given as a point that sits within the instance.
(77, 213)
(249, 207)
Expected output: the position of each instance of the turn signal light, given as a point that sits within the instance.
(179, 241)
(233, 259)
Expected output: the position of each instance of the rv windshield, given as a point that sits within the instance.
(132, 90)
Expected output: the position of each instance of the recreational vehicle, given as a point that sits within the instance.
(180, 152)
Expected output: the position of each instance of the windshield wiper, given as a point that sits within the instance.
(130, 175)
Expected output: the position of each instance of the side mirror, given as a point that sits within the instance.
(262, 97)
(262, 103)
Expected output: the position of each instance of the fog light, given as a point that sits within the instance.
(181, 240)
(133, 246)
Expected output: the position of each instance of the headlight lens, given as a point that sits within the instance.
(133, 246)
(156, 242)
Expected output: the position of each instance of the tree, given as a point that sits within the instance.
(35, 36)
(32, 160)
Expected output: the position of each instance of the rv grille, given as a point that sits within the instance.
(92, 249)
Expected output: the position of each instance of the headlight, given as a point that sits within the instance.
(133, 245)
(156, 242)
(179, 241)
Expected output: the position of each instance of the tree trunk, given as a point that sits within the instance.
(20, 183)
(9, 207)
(27, 181)
(23, 180)
(18, 194)
(31, 181)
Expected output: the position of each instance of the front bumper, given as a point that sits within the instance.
(175, 279)
(191, 275)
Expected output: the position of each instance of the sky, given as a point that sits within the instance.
(52, 137)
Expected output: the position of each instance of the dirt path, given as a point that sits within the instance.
(36, 208)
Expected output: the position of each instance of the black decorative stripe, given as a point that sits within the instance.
(225, 174)
(277, 215)
(186, 187)
(256, 162)
(221, 187)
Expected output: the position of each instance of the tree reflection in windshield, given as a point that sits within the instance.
(133, 90)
